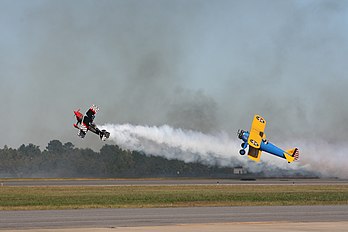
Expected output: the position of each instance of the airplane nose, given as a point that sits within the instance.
(240, 134)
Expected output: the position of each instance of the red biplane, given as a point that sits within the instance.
(85, 123)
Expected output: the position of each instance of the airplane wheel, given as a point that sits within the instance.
(242, 145)
(242, 152)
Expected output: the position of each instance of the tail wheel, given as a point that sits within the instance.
(242, 152)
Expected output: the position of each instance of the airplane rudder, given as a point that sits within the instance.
(293, 153)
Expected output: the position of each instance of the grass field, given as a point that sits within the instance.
(76, 197)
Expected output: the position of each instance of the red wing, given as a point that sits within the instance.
(78, 115)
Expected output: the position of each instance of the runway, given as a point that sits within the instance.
(158, 181)
(116, 218)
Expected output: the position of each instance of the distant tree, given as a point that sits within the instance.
(9, 162)
(86, 163)
(28, 157)
(68, 146)
(29, 150)
(55, 146)
(116, 161)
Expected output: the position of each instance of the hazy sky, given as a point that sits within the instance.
(194, 64)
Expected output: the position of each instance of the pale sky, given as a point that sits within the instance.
(194, 64)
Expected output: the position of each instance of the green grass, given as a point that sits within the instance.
(74, 197)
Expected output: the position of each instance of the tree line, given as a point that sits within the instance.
(65, 160)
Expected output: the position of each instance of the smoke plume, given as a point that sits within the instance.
(186, 145)
(193, 146)
(220, 149)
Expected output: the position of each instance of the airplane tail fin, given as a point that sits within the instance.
(292, 155)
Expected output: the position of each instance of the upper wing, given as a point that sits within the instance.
(257, 132)
(254, 154)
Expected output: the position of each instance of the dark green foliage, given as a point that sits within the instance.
(64, 160)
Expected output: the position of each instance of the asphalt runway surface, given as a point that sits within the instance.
(116, 218)
(113, 182)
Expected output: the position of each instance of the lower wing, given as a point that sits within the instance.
(103, 134)
(254, 154)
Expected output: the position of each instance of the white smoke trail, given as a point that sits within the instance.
(190, 146)
(171, 143)
(323, 159)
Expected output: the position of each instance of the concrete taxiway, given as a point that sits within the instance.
(215, 227)
(154, 217)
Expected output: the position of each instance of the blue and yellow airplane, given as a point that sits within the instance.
(256, 139)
